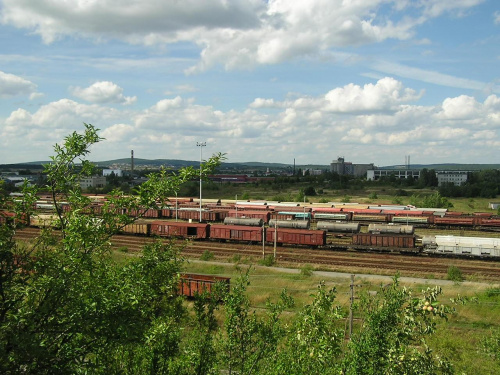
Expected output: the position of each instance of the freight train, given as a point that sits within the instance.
(390, 228)
(380, 237)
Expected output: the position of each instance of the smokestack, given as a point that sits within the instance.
(132, 161)
(294, 166)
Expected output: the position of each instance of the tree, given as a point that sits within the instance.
(65, 306)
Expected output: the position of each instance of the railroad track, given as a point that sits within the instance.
(345, 261)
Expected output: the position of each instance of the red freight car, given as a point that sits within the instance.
(291, 236)
(180, 229)
(457, 220)
(490, 222)
(141, 212)
(236, 232)
(194, 214)
(383, 240)
(192, 284)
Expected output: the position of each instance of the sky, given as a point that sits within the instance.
(373, 81)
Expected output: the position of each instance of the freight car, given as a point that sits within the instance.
(191, 284)
(462, 246)
(384, 242)
(298, 224)
(236, 233)
(291, 236)
(338, 227)
(180, 229)
(243, 221)
(390, 228)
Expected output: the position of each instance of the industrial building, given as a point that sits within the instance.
(341, 167)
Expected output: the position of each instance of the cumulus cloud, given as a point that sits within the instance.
(357, 120)
(12, 85)
(238, 33)
(386, 95)
(103, 92)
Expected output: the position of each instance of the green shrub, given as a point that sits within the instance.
(268, 261)
(207, 255)
(123, 249)
(454, 273)
(306, 270)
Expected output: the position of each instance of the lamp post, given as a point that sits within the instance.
(201, 145)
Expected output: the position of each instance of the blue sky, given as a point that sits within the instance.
(270, 81)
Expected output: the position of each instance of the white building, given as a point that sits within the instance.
(457, 178)
(375, 174)
(93, 181)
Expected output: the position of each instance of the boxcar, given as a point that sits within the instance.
(192, 284)
(235, 232)
(296, 236)
(151, 213)
(457, 220)
(384, 240)
(137, 228)
(180, 229)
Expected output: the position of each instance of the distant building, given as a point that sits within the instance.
(93, 181)
(116, 172)
(457, 178)
(494, 205)
(341, 167)
(312, 172)
(376, 174)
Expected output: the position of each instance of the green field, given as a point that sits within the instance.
(458, 339)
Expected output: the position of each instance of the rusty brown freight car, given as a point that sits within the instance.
(192, 284)
(384, 240)
(236, 233)
(468, 221)
(290, 236)
(179, 229)
(194, 214)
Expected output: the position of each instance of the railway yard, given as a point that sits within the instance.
(424, 266)
(418, 242)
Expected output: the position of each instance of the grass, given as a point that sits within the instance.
(459, 338)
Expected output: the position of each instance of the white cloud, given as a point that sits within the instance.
(377, 121)
(103, 92)
(12, 85)
(432, 76)
(238, 33)
(386, 95)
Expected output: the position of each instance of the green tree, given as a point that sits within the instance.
(65, 306)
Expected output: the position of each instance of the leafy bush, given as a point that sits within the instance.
(454, 273)
(306, 270)
(268, 261)
(207, 255)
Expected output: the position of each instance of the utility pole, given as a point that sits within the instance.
(201, 145)
(351, 302)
